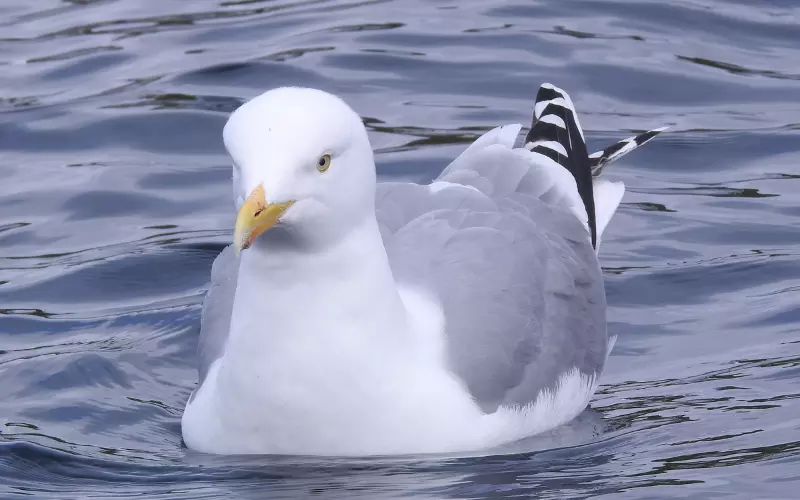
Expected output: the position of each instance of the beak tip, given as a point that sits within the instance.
(254, 217)
(241, 244)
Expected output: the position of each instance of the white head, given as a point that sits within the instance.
(302, 159)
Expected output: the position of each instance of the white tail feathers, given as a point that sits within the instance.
(607, 197)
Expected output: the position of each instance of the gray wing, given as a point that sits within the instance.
(512, 266)
(217, 310)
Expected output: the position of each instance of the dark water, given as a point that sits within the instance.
(115, 199)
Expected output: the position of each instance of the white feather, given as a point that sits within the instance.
(607, 197)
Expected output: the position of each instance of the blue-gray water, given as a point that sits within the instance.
(115, 198)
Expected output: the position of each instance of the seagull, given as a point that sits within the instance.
(351, 317)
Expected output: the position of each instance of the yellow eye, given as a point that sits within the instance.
(324, 163)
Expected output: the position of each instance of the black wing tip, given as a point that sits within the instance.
(610, 154)
(541, 108)
(555, 122)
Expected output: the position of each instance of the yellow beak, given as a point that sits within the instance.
(255, 217)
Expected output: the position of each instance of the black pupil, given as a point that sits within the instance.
(322, 162)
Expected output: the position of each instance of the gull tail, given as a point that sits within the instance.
(556, 133)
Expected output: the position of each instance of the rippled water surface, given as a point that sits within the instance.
(115, 199)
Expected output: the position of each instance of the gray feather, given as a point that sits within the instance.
(517, 277)
(217, 310)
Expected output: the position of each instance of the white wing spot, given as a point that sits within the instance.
(555, 146)
(555, 120)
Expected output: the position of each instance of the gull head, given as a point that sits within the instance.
(301, 160)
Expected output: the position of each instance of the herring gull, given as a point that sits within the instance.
(356, 317)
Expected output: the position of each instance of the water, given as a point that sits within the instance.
(115, 199)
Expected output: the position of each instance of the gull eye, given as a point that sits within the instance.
(324, 163)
